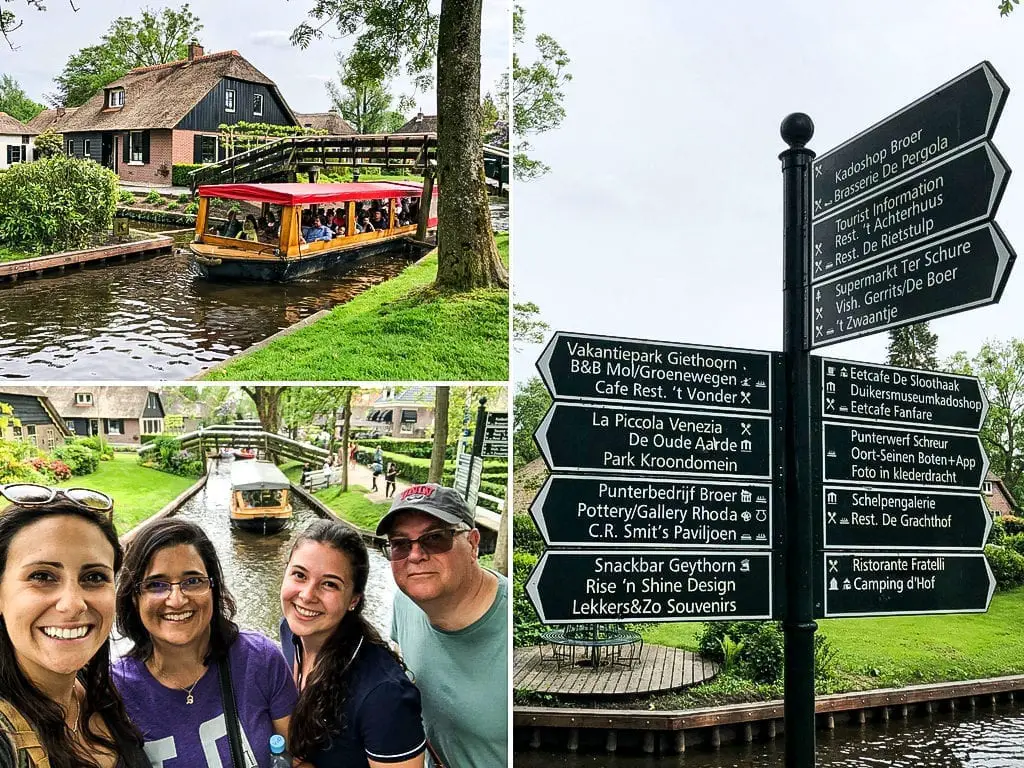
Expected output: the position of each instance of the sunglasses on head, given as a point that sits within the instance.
(35, 495)
(435, 542)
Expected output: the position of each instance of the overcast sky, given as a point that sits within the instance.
(662, 215)
(258, 29)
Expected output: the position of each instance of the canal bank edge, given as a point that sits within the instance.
(327, 513)
(534, 727)
(10, 271)
(169, 509)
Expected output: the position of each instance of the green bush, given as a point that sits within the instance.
(1007, 566)
(180, 174)
(192, 207)
(81, 460)
(184, 198)
(56, 204)
(173, 206)
(1015, 542)
(1012, 524)
(997, 532)
(97, 444)
(48, 144)
(154, 197)
(525, 536)
(526, 625)
(168, 456)
(125, 197)
(761, 658)
(15, 463)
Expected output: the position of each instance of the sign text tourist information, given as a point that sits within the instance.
(622, 586)
(947, 196)
(577, 366)
(853, 391)
(865, 454)
(907, 520)
(640, 512)
(938, 124)
(645, 441)
(888, 584)
(963, 271)
(495, 442)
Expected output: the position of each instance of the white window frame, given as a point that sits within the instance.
(83, 398)
(71, 147)
(30, 432)
(70, 424)
(216, 149)
(229, 99)
(17, 153)
(133, 156)
(86, 146)
(110, 427)
(257, 98)
(152, 426)
(986, 487)
(18, 432)
(115, 99)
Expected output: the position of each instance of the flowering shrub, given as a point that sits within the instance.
(54, 470)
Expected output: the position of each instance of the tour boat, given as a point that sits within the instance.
(259, 497)
(285, 255)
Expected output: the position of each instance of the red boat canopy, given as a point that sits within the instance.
(298, 194)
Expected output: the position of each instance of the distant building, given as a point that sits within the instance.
(119, 414)
(407, 414)
(332, 122)
(998, 497)
(52, 119)
(420, 124)
(16, 141)
(39, 422)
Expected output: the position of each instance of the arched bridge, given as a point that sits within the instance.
(234, 436)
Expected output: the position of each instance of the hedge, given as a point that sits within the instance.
(416, 470)
(417, 448)
(160, 217)
(180, 173)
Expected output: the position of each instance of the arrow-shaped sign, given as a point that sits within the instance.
(937, 125)
(890, 519)
(579, 366)
(963, 271)
(891, 584)
(634, 441)
(618, 586)
(869, 455)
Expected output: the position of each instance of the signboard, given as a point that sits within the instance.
(854, 391)
(944, 197)
(637, 512)
(495, 442)
(963, 271)
(890, 519)
(577, 366)
(624, 586)
(938, 124)
(890, 584)
(600, 438)
(467, 478)
(868, 455)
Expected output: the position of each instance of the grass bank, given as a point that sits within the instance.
(138, 492)
(9, 254)
(889, 652)
(403, 329)
(351, 506)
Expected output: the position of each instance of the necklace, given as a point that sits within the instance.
(189, 698)
(78, 715)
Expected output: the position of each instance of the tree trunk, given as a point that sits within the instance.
(344, 439)
(501, 548)
(268, 407)
(467, 257)
(441, 396)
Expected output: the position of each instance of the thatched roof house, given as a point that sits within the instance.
(332, 122)
(39, 421)
(15, 141)
(121, 414)
(420, 124)
(54, 119)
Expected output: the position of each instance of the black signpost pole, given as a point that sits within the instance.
(798, 623)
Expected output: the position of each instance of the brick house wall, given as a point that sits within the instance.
(997, 500)
(161, 152)
(183, 146)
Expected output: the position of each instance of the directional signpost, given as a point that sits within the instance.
(495, 440)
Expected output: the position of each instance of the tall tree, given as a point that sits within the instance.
(349, 392)
(527, 327)
(153, 38)
(437, 452)
(268, 405)
(529, 405)
(15, 102)
(537, 94)
(390, 33)
(364, 100)
(1000, 366)
(1006, 6)
(913, 346)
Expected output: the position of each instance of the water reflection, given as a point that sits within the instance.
(989, 739)
(154, 319)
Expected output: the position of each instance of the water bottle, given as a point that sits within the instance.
(279, 758)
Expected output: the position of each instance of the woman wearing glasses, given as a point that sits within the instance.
(357, 707)
(173, 604)
(59, 555)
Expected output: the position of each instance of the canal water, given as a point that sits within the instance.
(153, 319)
(254, 564)
(985, 739)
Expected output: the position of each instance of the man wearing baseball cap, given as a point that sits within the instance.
(451, 624)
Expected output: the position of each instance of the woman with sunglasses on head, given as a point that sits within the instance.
(357, 706)
(172, 603)
(59, 555)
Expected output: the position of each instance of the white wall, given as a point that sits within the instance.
(8, 140)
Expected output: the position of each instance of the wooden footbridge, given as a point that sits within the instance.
(282, 159)
(254, 438)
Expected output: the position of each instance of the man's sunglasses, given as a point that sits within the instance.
(432, 543)
(34, 495)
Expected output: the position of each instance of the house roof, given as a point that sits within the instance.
(47, 404)
(12, 126)
(107, 402)
(997, 480)
(420, 124)
(162, 95)
(332, 122)
(52, 118)
(410, 397)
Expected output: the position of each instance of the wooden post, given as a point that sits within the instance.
(350, 218)
(204, 205)
(425, 200)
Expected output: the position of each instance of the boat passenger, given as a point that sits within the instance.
(268, 226)
(377, 222)
(317, 231)
(232, 226)
(59, 555)
(174, 606)
(338, 223)
(249, 229)
(357, 707)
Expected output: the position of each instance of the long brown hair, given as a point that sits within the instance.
(320, 711)
(44, 715)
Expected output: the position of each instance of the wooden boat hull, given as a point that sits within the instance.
(254, 524)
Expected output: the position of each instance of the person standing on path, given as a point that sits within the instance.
(389, 479)
(377, 468)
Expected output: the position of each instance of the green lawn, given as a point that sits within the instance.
(403, 329)
(8, 254)
(352, 505)
(138, 492)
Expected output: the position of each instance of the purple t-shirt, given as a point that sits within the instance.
(180, 735)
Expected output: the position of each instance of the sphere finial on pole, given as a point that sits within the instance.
(797, 129)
